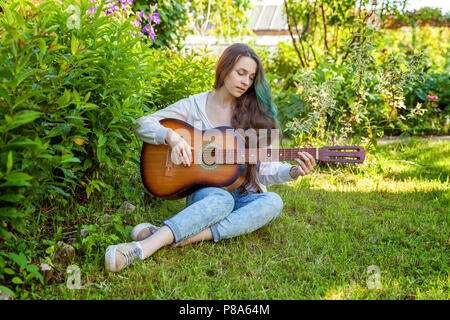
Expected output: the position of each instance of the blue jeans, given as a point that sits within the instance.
(228, 214)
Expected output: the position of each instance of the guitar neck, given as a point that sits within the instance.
(262, 155)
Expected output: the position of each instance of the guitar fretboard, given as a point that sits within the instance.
(261, 155)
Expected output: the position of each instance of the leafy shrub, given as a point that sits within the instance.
(177, 76)
(66, 111)
(67, 105)
(353, 102)
(69, 98)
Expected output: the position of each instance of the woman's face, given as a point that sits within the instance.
(241, 76)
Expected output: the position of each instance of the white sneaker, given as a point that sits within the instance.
(121, 255)
(143, 231)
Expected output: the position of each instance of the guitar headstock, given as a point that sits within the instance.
(346, 154)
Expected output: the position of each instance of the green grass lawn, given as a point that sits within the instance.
(376, 231)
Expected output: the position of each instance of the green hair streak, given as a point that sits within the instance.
(264, 98)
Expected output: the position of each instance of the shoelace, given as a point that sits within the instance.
(130, 255)
(153, 230)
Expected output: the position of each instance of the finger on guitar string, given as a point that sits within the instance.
(308, 159)
(302, 171)
(313, 160)
(183, 152)
(184, 158)
(176, 156)
(302, 165)
(189, 150)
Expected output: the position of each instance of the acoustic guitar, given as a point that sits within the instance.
(220, 159)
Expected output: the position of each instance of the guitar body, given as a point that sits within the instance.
(164, 179)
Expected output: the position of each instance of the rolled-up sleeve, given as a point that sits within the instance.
(274, 173)
(151, 131)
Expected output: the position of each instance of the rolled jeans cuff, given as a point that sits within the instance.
(215, 233)
(173, 227)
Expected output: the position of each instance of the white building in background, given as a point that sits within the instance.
(268, 23)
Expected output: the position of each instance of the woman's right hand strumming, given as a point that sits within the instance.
(181, 150)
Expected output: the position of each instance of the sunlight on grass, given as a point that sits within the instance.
(336, 223)
(347, 183)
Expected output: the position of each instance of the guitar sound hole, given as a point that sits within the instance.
(209, 156)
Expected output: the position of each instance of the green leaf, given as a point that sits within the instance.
(71, 159)
(11, 197)
(74, 44)
(20, 259)
(101, 141)
(34, 272)
(59, 190)
(9, 271)
(25, 96)
(22, 76)
(50, 250)
(17, 280)
(21, 142)
(17, 179)
(5, 95)
(9, 163)
(21, 118)
(42, 46)
(5, 289)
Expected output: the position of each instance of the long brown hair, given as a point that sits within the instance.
(255, 108)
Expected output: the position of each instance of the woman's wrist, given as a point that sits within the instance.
(170, 137)
(293, 176)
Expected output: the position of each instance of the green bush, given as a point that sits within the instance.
(67, 105)
(373, 94)
(69, 98)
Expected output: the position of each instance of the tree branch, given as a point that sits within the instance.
(292, 36)
(324, 29)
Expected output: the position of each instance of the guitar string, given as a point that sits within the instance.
(284, 154)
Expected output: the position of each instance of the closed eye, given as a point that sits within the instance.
(243, 73)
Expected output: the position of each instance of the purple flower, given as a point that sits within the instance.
(146, 28)
(91, 10)
(152, 33)
(153, 8)
(141, 13)
(155, 18)
(110, 4)
(130, 2)
(133, 33)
